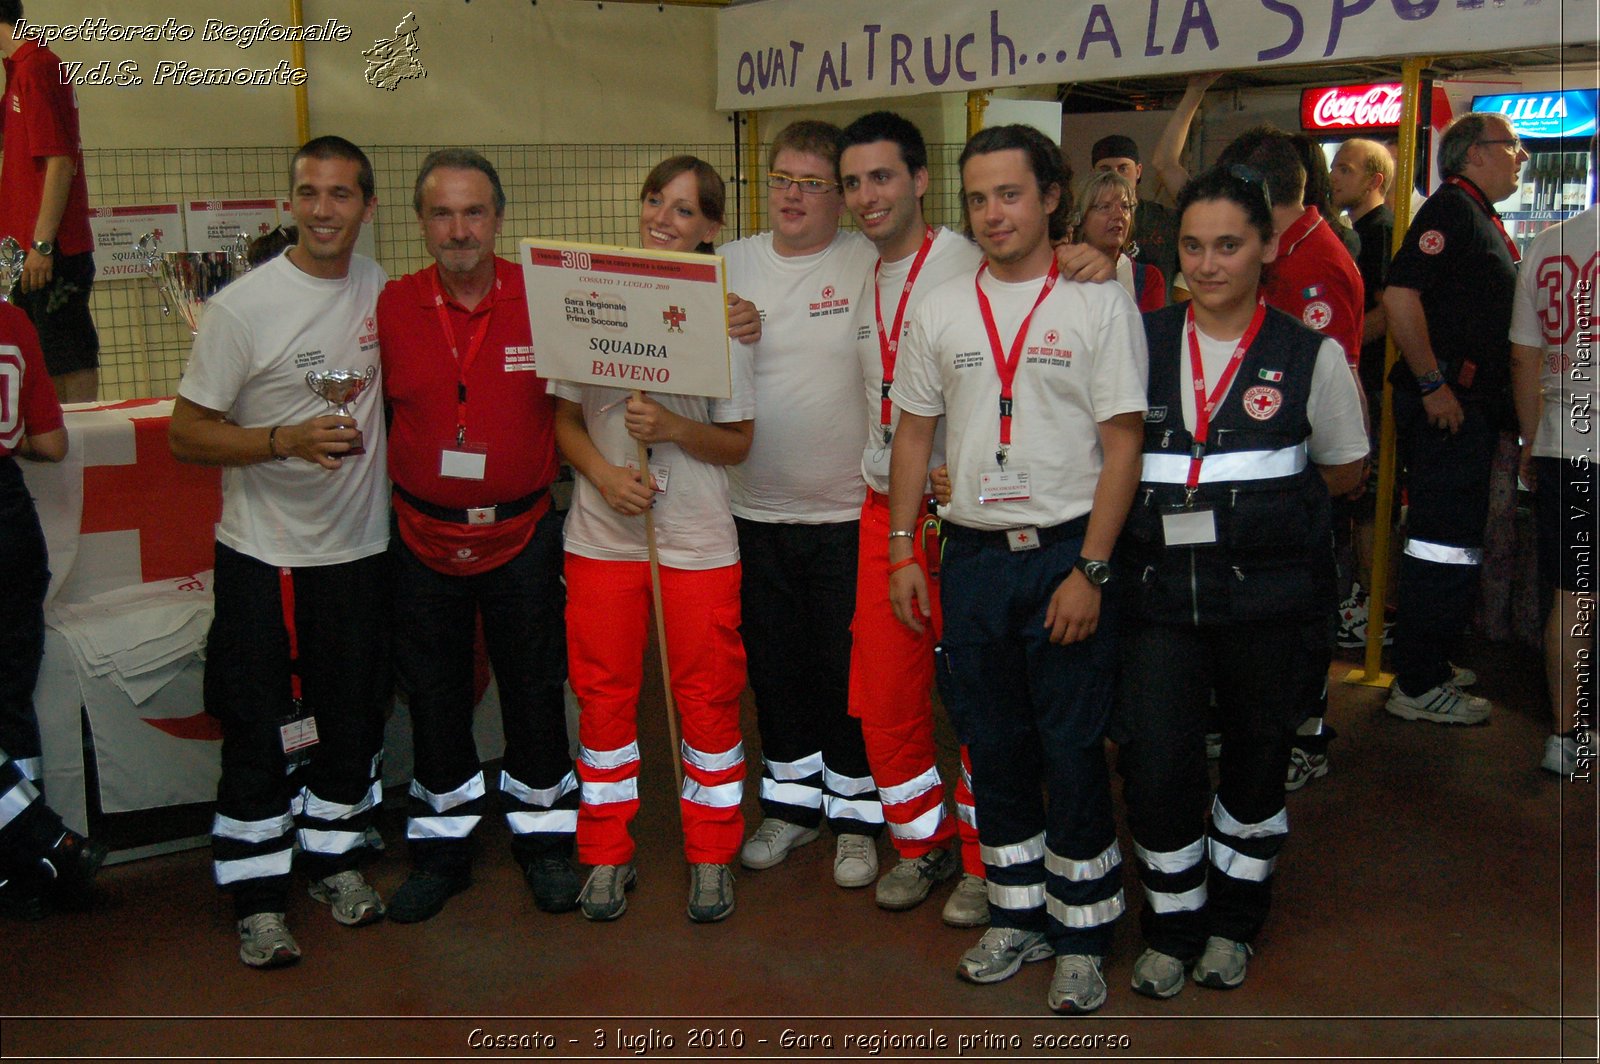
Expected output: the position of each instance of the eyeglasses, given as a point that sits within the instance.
(1514, 142)
(811, 186)
(1120, 207)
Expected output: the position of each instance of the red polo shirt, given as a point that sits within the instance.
(25, 386)
(38, 119)
(509, 418)
(1315, 279)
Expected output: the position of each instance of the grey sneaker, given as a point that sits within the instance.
(1445, 704)
(1000, 952)
(1462, 676)
(968, 905)
(1077, 986)
(351, 897)
(1222, 965)
(265, 942)
(908, 883)
(855, 860)
(1560, 755)
(1304, 766)
(710, 893)
(1157, 974)
(604, 895)
(1213, 745)
(772, 842)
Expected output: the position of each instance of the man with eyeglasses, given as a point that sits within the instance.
(1449, 299)
(796, 501)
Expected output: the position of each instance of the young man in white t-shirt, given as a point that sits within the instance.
(884, 167)
(796, 500)
(297, 668)
(1042, 385)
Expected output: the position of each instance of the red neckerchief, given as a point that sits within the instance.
(463, 363)
(889, 345)
(1204, 406)
(1476, 193)
(1006, 365)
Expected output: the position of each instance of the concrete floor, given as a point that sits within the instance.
(1437, 898)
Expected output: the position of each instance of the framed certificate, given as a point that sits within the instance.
(656, 321)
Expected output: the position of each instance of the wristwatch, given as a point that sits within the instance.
(1099, 573)
(45, 247)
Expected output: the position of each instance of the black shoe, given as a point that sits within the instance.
(554, 883)
(18, 902)
(77, 861)
(423, 894)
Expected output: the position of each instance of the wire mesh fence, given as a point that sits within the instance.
(582, 192)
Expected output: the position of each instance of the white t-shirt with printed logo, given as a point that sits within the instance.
(1555, 298)
(259, 338)
(952, 255)
(805, 464)
(1083, 362)
(694, 527)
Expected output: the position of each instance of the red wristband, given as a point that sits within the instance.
(895, 567)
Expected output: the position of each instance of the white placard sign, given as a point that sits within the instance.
(656, 321)
(792, 53)
(117, 229)
(212, 224)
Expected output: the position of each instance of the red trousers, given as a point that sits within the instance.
(891, 684)
(608, 610)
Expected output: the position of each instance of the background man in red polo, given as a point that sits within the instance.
(44, 205)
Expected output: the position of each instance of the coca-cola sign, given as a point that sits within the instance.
(1351, 107)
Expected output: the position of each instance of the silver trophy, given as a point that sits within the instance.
(187, 279)
(341, 387)
(12, 256)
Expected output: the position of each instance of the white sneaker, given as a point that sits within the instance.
(1444, 704)
(968, 904)
(1560, 755)
(855, 860)
(772, 842)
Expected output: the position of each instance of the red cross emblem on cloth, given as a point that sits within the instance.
(674, 317)
(174, 507)
(1262, 402)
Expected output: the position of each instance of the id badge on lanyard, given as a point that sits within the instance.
(1002, 484)
(1188, 525)
(459, 459)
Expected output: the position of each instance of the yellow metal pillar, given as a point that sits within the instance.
(755, 170)
(977, 102)
(1371, 674)
(297, 57)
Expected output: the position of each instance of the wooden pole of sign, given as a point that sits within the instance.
(661, 615)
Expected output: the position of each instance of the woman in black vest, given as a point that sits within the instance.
(1227, 563)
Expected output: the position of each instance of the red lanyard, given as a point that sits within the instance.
(286, 594)
(463, 364)
(889, 345)
(1204, 406)
(1006, 366)
(1483, 202)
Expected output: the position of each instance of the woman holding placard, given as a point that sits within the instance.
(685, 441)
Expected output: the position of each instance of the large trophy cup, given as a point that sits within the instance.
(341, 387)
(187, 279)
(12, 256)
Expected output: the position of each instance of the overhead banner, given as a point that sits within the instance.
(791, 53)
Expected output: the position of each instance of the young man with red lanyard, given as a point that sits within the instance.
(1449, 299)
(885, 174)
(472, 457)
(1055, 374)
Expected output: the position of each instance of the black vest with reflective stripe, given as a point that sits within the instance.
(1273, 556)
